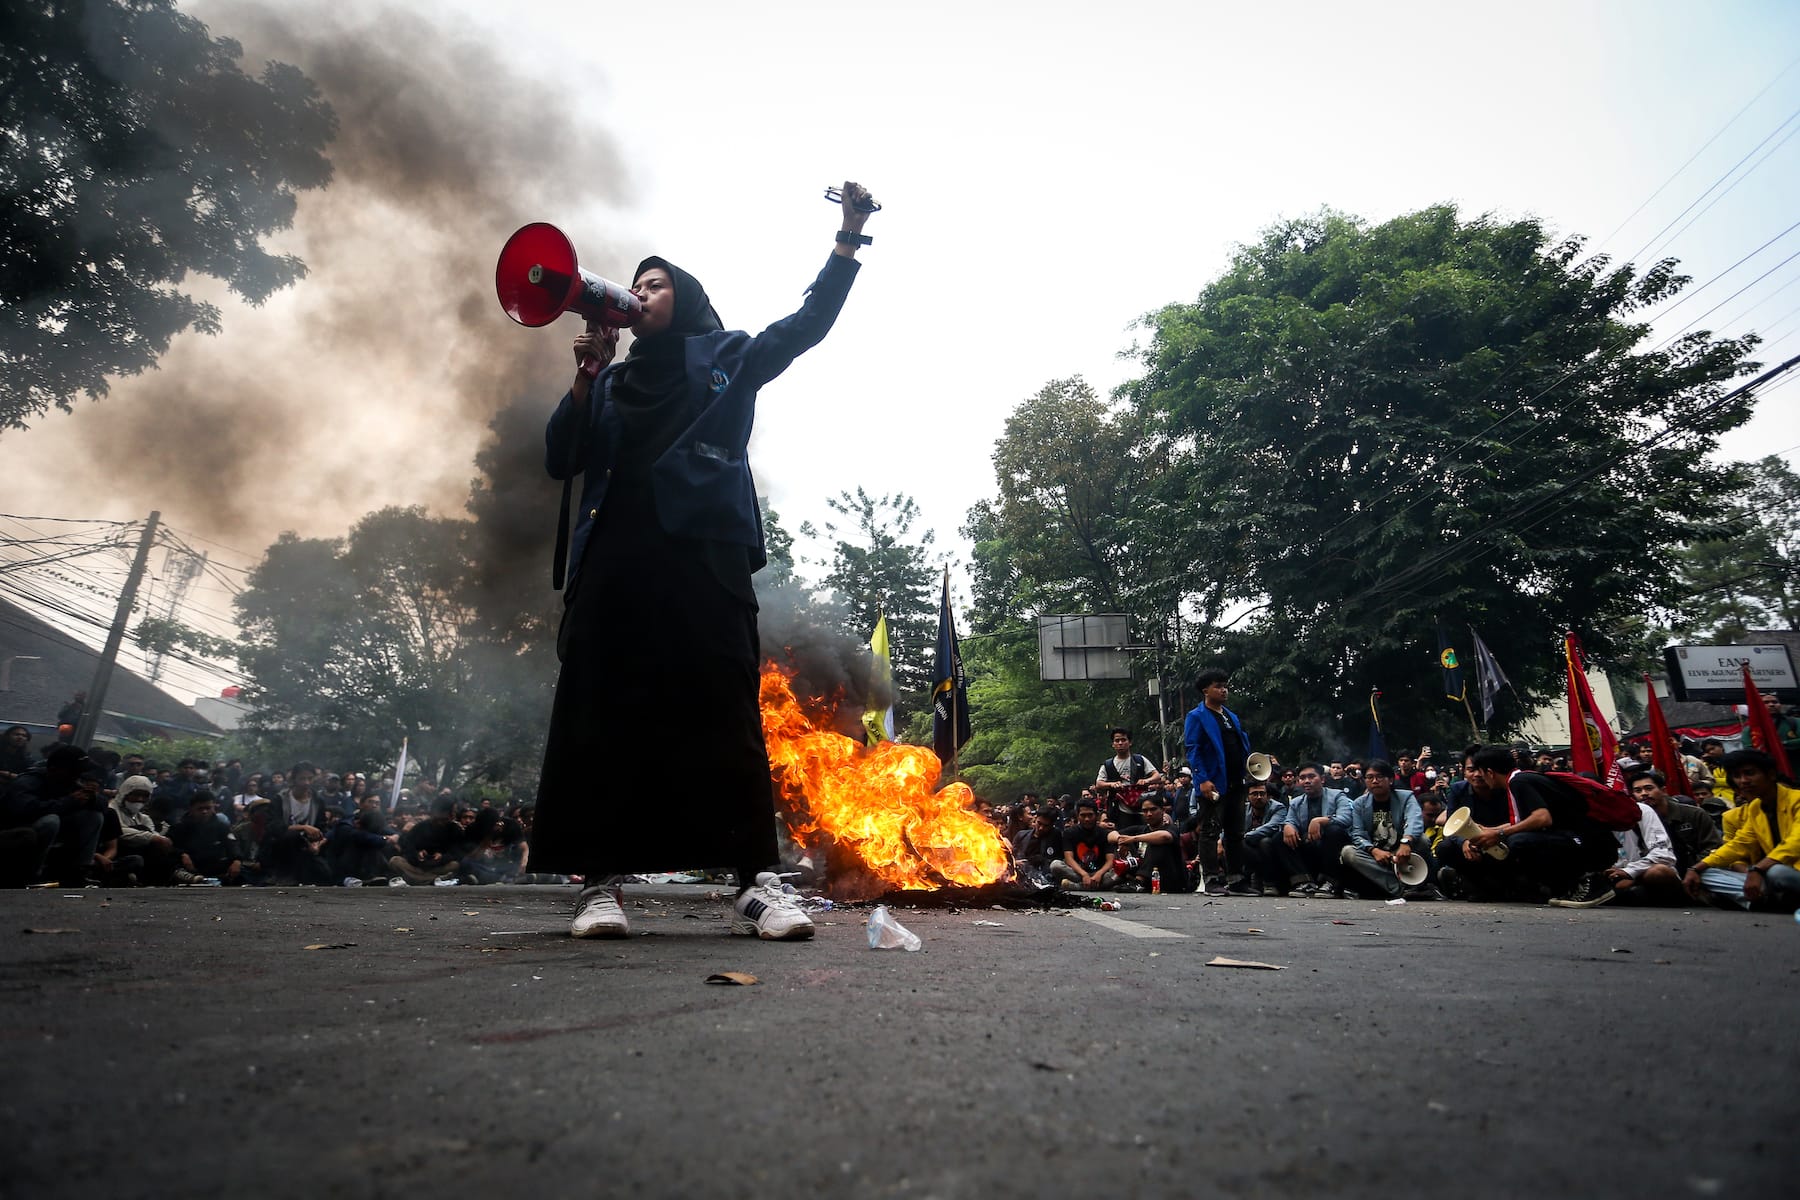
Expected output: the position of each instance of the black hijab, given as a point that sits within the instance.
(652, 374)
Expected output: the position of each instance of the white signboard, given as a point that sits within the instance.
(1720, 668)
(1084, 647)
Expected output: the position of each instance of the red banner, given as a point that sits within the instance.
(1664, 754)
(1762, 726)
(1592, 746)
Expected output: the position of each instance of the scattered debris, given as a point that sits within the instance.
(738, 978)
(1253, 929)
(992, 924)
(1620, 950)
(329, 946)
(30, 930)
(1343, 922)
(1222, 961)
(1397, 900)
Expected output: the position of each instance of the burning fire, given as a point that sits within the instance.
(880, 804)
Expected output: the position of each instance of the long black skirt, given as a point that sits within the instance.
(655, 758)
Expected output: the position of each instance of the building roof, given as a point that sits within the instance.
(134, 707)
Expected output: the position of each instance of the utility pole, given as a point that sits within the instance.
(90, 716)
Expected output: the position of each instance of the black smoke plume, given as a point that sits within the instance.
(373, 380)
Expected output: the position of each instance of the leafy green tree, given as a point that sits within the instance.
(779, 571)
(877, 564)
(1748, 575)
(1433, 417)
(136, 151)
(1069, 469)
(351, 644)
(1077, 527)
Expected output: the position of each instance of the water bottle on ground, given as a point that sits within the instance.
(1156, 881)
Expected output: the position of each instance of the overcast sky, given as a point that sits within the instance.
(1050, 174)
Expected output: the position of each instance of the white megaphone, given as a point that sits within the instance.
(1259, 767)
(1412, 873)
(1461, 824)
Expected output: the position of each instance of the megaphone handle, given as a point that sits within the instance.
(590, 363)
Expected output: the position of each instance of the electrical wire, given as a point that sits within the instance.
(1704, 147)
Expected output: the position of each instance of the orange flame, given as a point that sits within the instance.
(879, 803)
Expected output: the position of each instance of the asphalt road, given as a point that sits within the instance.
(454, 1042)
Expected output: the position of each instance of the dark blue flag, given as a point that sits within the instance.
(949, 689)
(1377, 743)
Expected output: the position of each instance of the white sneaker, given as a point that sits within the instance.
(767, 911)
(598, 915)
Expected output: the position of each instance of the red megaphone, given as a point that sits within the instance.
(538, 280)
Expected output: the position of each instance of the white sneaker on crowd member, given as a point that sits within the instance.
(768, 912)
(598, 915)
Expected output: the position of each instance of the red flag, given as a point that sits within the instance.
(1663, 754)
(1762, 726)
(1592, 746)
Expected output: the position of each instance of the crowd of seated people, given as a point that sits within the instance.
(78, 819)
(1501, 824)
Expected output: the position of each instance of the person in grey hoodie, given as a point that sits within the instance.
(140, 833)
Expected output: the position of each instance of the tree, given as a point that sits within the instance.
(351, 644)
(1075, 529)
(875, 566)
(136, 151)
(1747, 576)
(779, 570)
(1428, 418)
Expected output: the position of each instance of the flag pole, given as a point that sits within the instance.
(955, 716)
(1476, 729)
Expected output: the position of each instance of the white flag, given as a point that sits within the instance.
(399, 778)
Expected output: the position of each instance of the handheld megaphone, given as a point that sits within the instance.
(538, 280)
(1259, 767)
(1462, 824)
(1414, 872)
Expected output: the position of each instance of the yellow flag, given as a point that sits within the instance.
(879, 721)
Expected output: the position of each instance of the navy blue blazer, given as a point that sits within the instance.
(702, 483)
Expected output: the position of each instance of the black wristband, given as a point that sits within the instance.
(847, 238)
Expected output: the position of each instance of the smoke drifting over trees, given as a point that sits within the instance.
(374, 380)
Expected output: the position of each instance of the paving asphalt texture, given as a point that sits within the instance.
(450, 1042)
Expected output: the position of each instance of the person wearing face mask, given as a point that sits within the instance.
(140, 833)
(659, 616)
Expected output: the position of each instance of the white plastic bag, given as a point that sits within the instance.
(885, 933)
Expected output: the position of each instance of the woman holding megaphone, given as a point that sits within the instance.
(658, 634)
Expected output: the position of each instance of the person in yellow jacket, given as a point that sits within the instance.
(1712, 756)
(1756, 867)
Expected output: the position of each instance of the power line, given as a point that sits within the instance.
(1705, 146)
(1431, 561)
(1721, 179)
(1563, 413)
(1747, 174)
